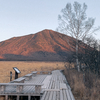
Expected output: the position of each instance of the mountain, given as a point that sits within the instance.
(46, 45)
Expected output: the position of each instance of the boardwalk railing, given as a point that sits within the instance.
(6, 88)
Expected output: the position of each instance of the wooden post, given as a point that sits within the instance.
(29, 97)
(10, 76)
(2, 88)
(17, 97)
(6, 97)
(19, 88)
(37, 88)
(16, 75)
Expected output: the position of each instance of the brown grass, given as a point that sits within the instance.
(25, 68)
(83, 90)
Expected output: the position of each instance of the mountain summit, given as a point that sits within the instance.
(46, 45)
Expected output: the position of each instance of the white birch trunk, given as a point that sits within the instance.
(77, 62)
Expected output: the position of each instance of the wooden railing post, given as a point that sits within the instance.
(17, 97)
(19, 88)
(29, 97)
(37, 88)
(2, 88)
(6, 97)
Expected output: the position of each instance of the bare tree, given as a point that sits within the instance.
(75, 23)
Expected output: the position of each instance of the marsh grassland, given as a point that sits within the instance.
(25, 68)
(88, 90)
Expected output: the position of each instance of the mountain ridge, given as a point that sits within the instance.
(44, 45)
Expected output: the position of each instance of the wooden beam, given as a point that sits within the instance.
(6, 97)
(2, 89)
(19, 80)
(17, 97)
(52, 89)
(15, 84)
(61, 95)
(19, 86)
(29, 97)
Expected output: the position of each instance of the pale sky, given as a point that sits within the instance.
(23, 17)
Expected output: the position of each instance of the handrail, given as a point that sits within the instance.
(19, 87)
(14, 84)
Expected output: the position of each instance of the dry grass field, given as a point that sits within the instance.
(25, 67)
(88, 90)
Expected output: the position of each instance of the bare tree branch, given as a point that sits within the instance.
(74, 22)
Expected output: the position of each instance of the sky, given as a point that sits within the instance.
(23, 17)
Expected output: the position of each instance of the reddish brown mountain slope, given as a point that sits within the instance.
(46, 45)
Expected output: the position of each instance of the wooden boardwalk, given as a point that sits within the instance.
(52, 86)
(57, 88)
